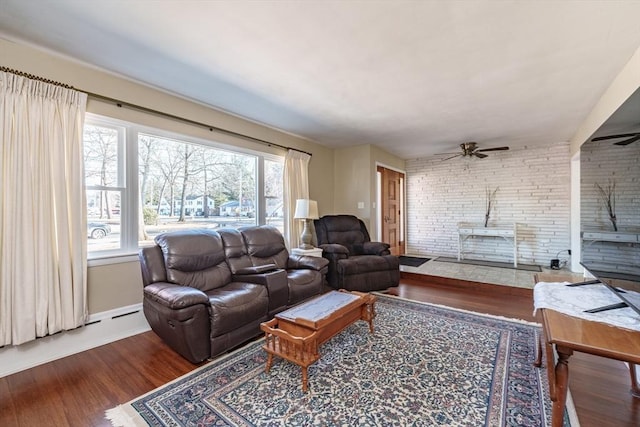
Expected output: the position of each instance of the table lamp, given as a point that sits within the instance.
(306, 210)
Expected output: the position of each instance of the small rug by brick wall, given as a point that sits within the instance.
(524, 267)
(412, 261)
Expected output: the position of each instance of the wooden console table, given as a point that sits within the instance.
(568, 334)
(508, 233)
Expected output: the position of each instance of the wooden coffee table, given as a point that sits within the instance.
(297, 334)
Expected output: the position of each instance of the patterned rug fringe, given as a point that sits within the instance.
(119, 417)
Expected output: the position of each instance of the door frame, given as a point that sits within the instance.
(403, 203)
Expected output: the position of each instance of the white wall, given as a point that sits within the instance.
(355, 191)
(534, 191)
(604, 163)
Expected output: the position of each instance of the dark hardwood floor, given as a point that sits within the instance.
(76, 390)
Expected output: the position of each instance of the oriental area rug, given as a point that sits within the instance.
(424, 365)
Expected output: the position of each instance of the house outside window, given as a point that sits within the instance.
(141, 182)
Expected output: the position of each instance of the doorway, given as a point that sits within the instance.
(391, 218)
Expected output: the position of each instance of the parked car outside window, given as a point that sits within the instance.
(98, 230)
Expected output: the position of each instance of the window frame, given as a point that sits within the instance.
(128, 164)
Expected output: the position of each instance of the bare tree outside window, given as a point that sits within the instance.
(273, 193)
(101, 156)
(102, 146)
(195, 185)
(181, 183)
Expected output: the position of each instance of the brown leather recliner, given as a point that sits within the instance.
(355, 263)
(204, 295)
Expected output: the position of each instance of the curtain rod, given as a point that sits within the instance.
(121, 104)
(32, 77)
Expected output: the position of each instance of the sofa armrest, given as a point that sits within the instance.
(334, 248)
(260, 278)
(307, 262)
(256, 269)
(175, 296)
(334, 252)
(376, 248)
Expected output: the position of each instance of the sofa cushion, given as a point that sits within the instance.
(303, 284)
(346, 230)
(265, 245)
(194, 258)
(235, 250)
(236, 305)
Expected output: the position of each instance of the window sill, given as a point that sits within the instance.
(111, 259)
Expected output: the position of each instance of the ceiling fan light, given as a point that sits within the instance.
(470, 149)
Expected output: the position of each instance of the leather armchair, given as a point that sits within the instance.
(355, 263)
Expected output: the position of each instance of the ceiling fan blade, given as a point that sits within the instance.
(622, 135)
(628, 141)
(452, 157)
(479, 155)
(493, 149)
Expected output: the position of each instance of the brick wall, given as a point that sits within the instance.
(533, 191)
(604, 163)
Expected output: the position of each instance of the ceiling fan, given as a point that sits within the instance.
(470, 149)
(629, 138)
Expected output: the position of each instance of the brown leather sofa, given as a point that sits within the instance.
(355, 262)
(206, 292)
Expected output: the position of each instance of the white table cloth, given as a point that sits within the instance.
(574, 300)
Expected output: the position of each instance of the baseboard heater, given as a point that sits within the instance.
(100, 329)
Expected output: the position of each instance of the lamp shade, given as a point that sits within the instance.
(306, 209)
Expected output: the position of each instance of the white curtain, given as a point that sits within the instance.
(296, 186)
(42, 223)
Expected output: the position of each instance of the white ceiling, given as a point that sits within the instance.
(412, 77)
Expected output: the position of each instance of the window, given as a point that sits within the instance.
(273, 193)
(104, 181)
(181, 183)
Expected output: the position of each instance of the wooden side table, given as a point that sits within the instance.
(316, 252)
(567, 334)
